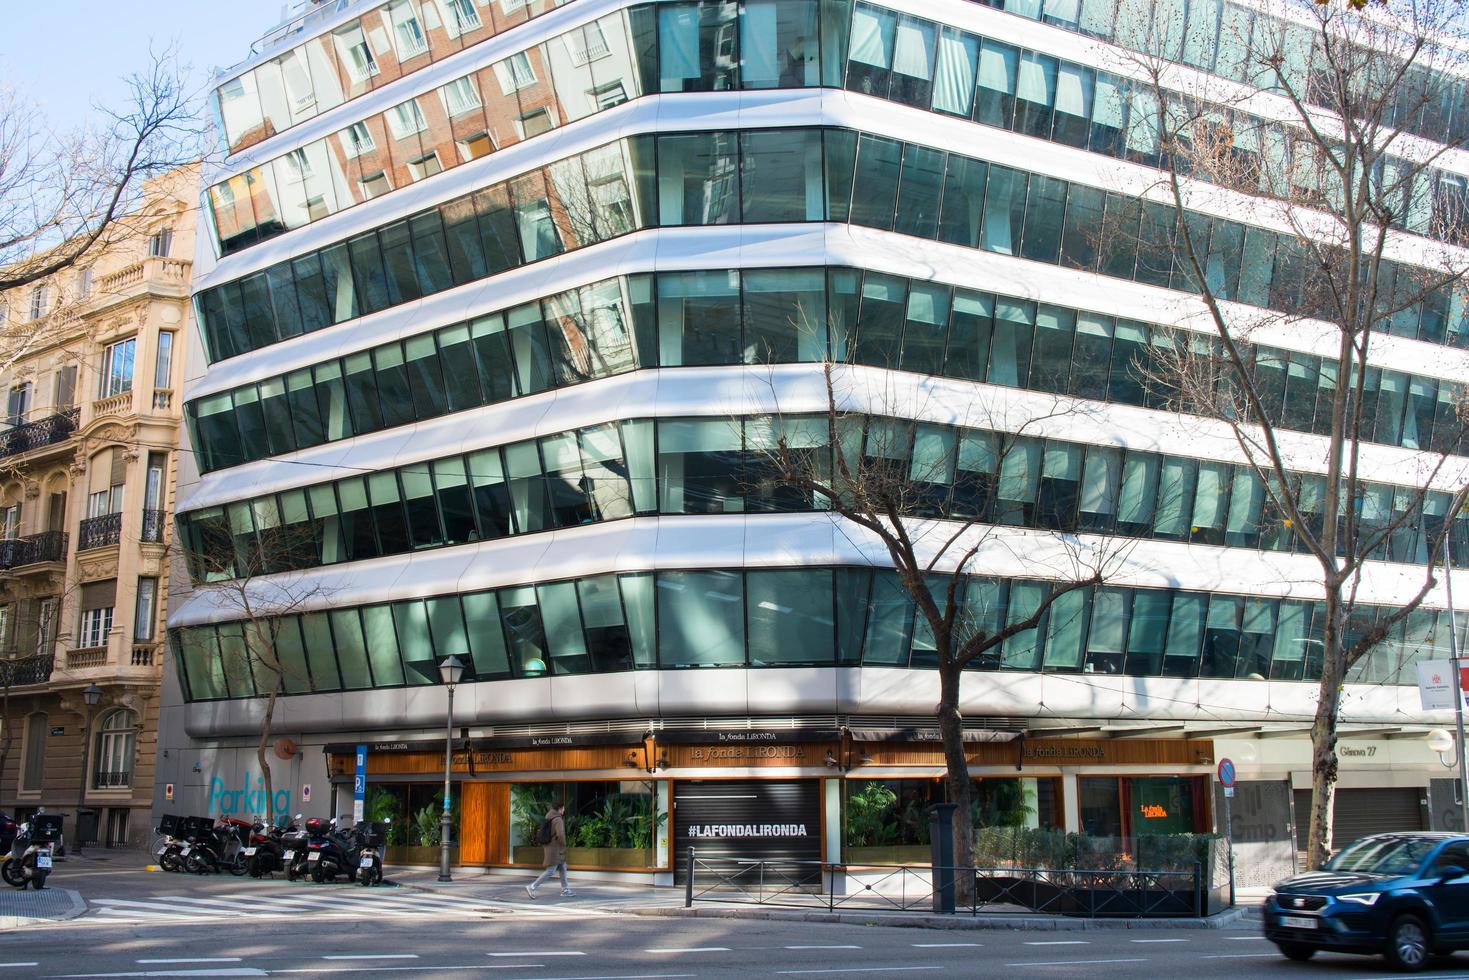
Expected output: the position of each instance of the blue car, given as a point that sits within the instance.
(1405, 896)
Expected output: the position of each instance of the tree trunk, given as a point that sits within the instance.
(260, 755)
(951, 728)
(1323, 735)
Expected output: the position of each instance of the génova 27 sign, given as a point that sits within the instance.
(748, 830)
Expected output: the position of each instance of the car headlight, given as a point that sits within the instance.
(1363, 898)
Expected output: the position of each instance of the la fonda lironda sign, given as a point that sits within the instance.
(747, 830)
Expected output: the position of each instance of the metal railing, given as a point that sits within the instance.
(153, 521)
(97, 532)
(42, 432)
(27, 670)
(112, 780)
(33, 549)
(1071, 892)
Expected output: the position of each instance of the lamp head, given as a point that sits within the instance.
(1440, 741)
(451, 668)
(92, 694)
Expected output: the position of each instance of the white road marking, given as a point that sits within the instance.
(692, 949)
(1059, 942)
(200, 959)
(857, 969)
(1157, 940)
(557, 953)
(1246, 939)
(1238, 956)
(823, 947)
(372, 956)
(233, 971)
(1138, 959)
(19, 964)
(943, 945)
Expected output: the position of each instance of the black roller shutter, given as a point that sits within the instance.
(747, 819)
(1360, 813)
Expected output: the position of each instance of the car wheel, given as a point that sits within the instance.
(1408, 945)
(1296, 951)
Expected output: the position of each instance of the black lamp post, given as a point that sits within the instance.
(91, 694)
(451, 669)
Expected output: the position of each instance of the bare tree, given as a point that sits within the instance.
(63, 195)
(1367, 236)
(257, 587)
(939, 510)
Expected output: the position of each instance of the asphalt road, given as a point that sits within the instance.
(174, 926)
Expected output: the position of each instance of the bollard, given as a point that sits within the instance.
(941, 854)
(688, 885)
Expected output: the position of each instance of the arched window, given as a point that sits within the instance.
(116, 738)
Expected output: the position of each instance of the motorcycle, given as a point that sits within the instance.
(181, 836)
(330, 851)
(295, 848)
(371, 839)
(29, 860)
(221, 849)
(266, 853)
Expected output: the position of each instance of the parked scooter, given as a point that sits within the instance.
(266, 853)
(29, 859)
(296, 849)
(222, 849)
(181, 836)
(371, 839)
(331, 852)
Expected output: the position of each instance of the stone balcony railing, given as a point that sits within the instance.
(86, 657)
(144, 654)
(151, 271)
(119, 404)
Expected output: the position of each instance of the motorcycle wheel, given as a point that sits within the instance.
(237, 867)
(291, 874)
(169, 861)
(39, 881)
(325, 871)
(198, 864)
(13, 874)
(253, 868)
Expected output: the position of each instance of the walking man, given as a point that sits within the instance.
(553, 837)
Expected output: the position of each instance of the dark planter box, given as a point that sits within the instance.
(1043, 896)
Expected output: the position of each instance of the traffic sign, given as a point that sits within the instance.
(1226, 773)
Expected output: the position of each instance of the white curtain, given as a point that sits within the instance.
(913, 50)
(872, 36)
(1074, 86)
(958, 58)
(760, 67)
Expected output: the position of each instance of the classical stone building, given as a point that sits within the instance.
(90, 366)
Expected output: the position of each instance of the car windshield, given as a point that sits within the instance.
(1383, 855)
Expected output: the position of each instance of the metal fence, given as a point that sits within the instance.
(1075, 892)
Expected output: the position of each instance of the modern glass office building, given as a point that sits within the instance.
(504, 305)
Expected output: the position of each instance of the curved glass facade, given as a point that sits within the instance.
(771, 44)
(765, 176)
(787, 617)
(395, 39)
(731, 316)
(728, 466)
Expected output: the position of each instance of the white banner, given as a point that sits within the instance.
(1436, 684)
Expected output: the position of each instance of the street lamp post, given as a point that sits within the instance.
(91, 694)
(450, 670)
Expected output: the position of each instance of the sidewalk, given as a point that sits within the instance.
(607, 898)
(50, 904)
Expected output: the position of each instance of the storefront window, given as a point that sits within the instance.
(1113, 806)
(886, 820)
(609, 824)
(413, 813)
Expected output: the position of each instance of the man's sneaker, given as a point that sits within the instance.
(566, 893)
(531, 891)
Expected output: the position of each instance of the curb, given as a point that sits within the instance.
(78, 906)
(996, 921)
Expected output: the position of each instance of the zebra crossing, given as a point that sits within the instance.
(315, 901)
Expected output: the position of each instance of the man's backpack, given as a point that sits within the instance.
(545, 834)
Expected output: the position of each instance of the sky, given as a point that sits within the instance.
(67, 54)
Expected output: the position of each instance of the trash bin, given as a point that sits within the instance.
(86, 826)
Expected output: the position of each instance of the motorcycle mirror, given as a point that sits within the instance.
(298, 816)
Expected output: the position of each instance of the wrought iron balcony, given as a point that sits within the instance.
(112, 780)
(26, 670)
(153, 521)
(42, 432)
(33, 549)
(97, 532)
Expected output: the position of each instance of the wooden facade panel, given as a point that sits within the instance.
(497, 822)
(474, 823)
